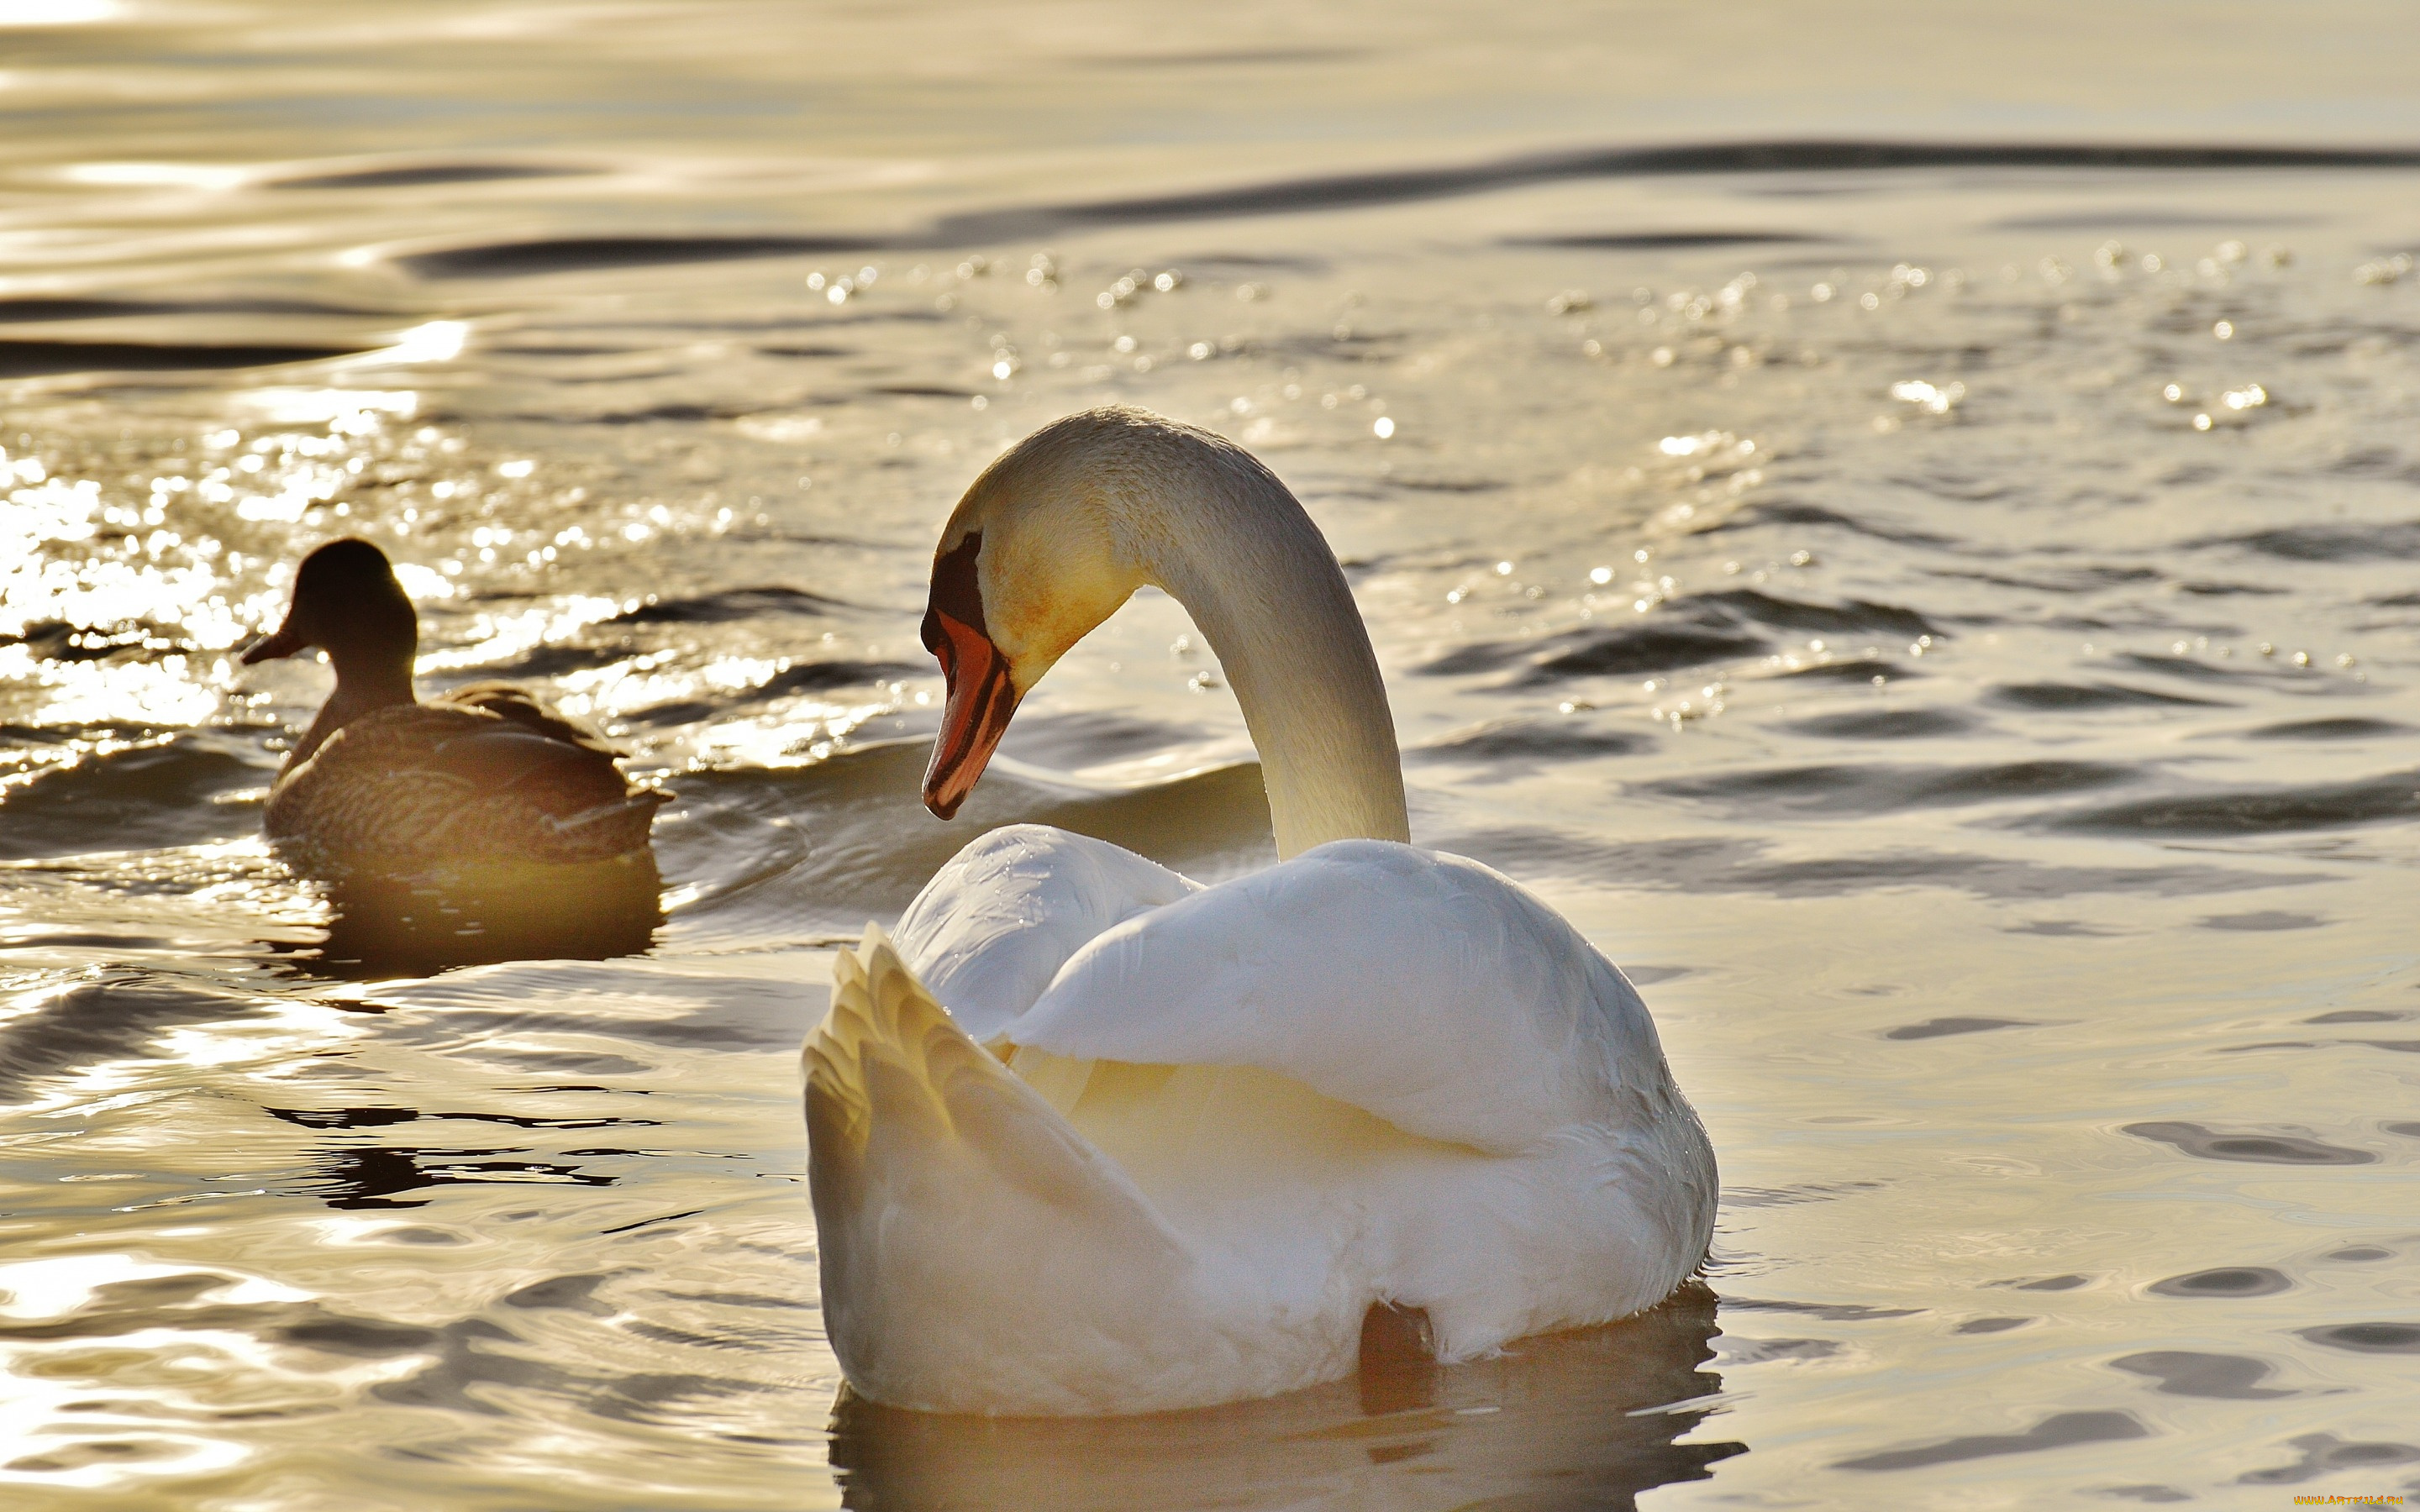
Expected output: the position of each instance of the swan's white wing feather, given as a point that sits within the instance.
(1425, 987)
(979, 1253)
(1371, 1074)
(992, 928)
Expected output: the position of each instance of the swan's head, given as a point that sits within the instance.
(347, 603)
(1039, 551)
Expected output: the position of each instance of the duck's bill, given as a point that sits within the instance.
(287, 641)
(982, 699)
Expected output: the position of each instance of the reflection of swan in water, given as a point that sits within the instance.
(1547, 1424)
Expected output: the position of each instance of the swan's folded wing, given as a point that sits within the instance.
(888, 1066)
(992, 928)
(1425, 987)
(975, 1248)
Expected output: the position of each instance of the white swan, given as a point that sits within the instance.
(1214, 1127)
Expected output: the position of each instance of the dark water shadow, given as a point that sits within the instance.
(736, 604)
(1887, 724)
(1516, 747)
(2394, 796)
(372, 1177)
(29, 358)
(1661, 241)
(2224, 1281)
(1691, 631)
(25, 309)
(1854, 670)
(582, 253)
(1566, 1420)
(2263, 920)
(1990, 1325)
(2329, 543)
(1876, 789)
(119, 1013)
(423, 175)
(2195, 1373)
(2342, 729)
(386, 927)
(2324, 1454)
(147, 795)
(2259, 1148)
(1939, 1027)
(2057, 696)
(1413, 184)
(1791, 512)
(2057, 1431)
(2367, 1338)
(514, 257)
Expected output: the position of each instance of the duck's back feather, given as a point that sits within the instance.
(454, 780)
(517, 706)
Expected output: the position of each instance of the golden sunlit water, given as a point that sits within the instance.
(1904, 526)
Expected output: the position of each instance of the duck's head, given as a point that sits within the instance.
(348, 604)
(1039, 551)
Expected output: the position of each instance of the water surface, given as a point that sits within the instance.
(1908, 533)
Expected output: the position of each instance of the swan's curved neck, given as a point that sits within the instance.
(1238, 551)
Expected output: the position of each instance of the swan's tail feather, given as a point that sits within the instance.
(956, 1212)
(889, 1061)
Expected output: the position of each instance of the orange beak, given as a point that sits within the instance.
(981, 698)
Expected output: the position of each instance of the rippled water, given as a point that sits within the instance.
(1941, 613)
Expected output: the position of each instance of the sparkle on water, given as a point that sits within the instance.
(1949, 635)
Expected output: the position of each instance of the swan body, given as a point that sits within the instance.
(385, 782)
(1090, 1137)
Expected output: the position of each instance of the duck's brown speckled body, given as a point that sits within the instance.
(461, 777)
(480, 776)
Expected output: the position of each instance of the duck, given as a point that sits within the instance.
(385, 782)
(1087, 1138)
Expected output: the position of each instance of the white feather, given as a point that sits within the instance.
(995, 925)
(1230, 1123)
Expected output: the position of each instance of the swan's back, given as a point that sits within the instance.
(1425, 987)
(1369, 1075)
(988, 934)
